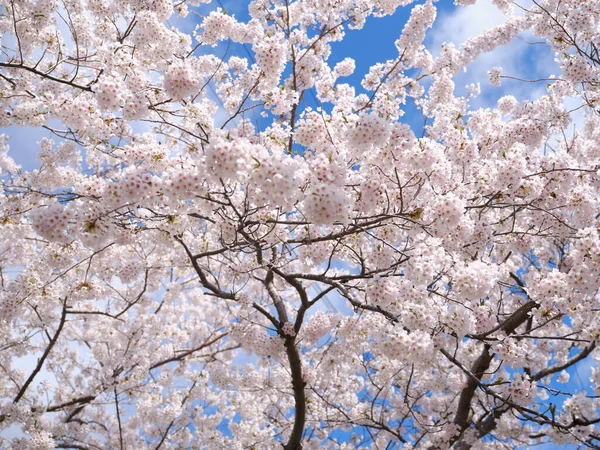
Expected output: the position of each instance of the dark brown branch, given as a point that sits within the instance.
(298, 384)
(188, 352)
(77, 401)
(40, 362)
(119, 419)
(21, 66)
(482, 363)
(203, 279)
(574, 360)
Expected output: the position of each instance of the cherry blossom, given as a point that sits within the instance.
(227, 240)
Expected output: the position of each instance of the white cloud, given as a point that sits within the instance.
(22, 145)
(526, 58)
(466, 22)
(582, 373)
(520, 59)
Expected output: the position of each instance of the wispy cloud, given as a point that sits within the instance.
(523, 58)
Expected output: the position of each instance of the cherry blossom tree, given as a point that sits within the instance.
(167, 271)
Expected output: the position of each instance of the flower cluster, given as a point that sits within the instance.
(475, 280)
(521, 390)
(318, 325)
(130, 272)
(53, 222)
(413, 348)
(180, 81)
(109, 93)
(370, 131)
(494, 76)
